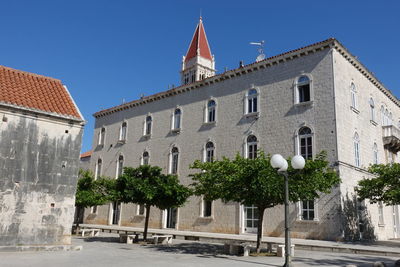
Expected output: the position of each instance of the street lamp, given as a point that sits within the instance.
(278, 162)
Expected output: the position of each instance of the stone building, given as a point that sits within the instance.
(40, 132)
(318, 97)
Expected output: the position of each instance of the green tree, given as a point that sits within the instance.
(384, 187)
(147, 186)
(255, 182)
(91, 192)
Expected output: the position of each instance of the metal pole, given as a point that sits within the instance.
(288, 260)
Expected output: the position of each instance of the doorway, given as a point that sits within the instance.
(250, 219)
(171, 218)
(116, 210)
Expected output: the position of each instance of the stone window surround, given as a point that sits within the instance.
(121, 138)
(206, 111)
(296, 91)
(246, 102)
(297, 139)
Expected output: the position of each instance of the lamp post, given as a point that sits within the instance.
(278, 162)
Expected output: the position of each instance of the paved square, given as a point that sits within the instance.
(105, 250)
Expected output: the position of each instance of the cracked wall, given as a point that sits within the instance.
(39, 162)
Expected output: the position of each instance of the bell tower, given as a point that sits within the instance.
(198, 63)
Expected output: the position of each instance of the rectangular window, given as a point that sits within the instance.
(304, 93)
(174, 167)
(307, 210)
(380, 211)
(306, 147)
(207, 208)
(141, 210)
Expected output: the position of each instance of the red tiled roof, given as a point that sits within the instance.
(199, 44)
(86, 154)
(36, 92)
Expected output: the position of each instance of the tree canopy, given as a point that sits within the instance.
(146, 185)
(91, 192)
(384, 187)
(256, 182)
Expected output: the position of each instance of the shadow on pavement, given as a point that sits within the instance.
(106, 239)
(344, 260)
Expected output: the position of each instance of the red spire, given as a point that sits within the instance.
(199, 45)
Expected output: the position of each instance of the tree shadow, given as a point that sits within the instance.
(343, 260)
(190, 248)
(356, 221)
(105, 239)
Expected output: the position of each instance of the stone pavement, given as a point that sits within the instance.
(384, 248)
(106, 251)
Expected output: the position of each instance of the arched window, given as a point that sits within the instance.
(383, 116)
(120, 166)
(177, 119)
(375, 153)
(102, 135)
(251, 147)
(252, 101)
(390, 120)
(174, 160)
(98, 168)
(148, 125)
(372, 108)
(305, 143)
(122, 132)
(303, 89)
(210, 152)
(145, 158)
(356, 141)
(211, 108)
(353, 93)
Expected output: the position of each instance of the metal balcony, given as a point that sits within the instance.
(391, 138)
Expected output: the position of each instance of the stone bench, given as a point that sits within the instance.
(163, 239)
(244, 249)
(129, 238)
(281, 251)
(90, 231)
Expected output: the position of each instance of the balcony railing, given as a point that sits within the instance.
(391, 137)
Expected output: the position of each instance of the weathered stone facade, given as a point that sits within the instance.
(330, 69)
(39, 160)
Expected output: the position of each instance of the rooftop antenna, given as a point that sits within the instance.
(261, 55)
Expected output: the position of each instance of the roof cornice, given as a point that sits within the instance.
(363, 70)
(266, 63)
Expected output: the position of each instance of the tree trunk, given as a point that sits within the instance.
(259, 227)
(146, 222)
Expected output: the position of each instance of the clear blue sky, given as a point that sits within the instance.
(107, 51)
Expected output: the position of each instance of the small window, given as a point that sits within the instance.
(251, 147)
(380, 212)
(177, 119)
(307, 210)
(375, 153)
(141, 210)
(94, 209)
(252, 101)
(356, 141)
(372, 108)
(210, 152)
(174, 160)
(148, 125)
(98, 168)
(353, 93)
(211, 108)
(122, 132)
(145, 158)
(305, 143)
(120, 166)
(207, 208)
(303, 89)
(102, 135)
